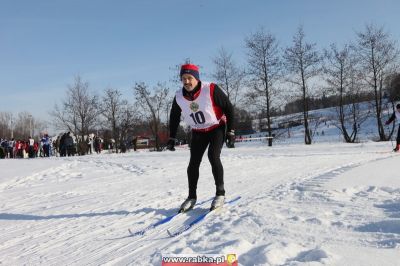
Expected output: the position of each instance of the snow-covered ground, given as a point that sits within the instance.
(326, 203)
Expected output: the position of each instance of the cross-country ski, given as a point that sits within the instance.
(198, 219)
(160, 222)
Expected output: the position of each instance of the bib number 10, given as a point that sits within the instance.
(198, 117)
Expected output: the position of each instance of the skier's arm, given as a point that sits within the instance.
(391, 119)
(222, 101)
(174, 119)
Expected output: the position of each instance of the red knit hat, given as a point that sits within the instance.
(190, 69)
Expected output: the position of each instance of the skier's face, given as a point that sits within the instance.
(189, 82)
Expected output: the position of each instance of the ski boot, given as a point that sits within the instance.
(217, 202)
(187, 205)
(397, 148)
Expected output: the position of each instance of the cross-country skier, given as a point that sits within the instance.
(207, 110)
(396, 114)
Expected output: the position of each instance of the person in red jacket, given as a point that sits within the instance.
(208, 111)
(396, 114)
(36, 149)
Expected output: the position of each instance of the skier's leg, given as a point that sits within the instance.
(198, 146)
(398, 139)
(214, 156)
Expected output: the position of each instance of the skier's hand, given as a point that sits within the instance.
(171, 144)
(387, 123)
(230, 139)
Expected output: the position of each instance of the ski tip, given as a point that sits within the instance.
(235, 199)
(139, 233)
(169, 233)
(131, 233)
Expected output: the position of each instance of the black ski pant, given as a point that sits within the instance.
(398, 136)
(214, 140)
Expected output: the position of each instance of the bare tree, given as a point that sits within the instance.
(227, 75)
(265, 69)
(393, 85)
(303, 62)
(24, 125)
(78, 112)
(129, 120)
(152, 105)
(113, 108)
(343, 79)
(378, 54)
(5, 124)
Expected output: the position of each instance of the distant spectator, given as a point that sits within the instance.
(11, 148)
(134, 142)
(63, 147)
(69, 144)
(3, 148)
(46, 145)
(396, 115)
(36, 149)
(89, 145)
(31, 150)
(97, 144)
(56, 146)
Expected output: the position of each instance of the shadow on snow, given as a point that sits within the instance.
(31, 217)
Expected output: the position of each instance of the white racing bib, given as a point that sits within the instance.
(201, 113)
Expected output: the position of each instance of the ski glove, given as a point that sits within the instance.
(230, 139)
(171, 144)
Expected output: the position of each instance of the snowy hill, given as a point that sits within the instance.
(324, 124)
(329, 203)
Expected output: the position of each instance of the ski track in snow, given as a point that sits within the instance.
(78, 211)
(308, 193)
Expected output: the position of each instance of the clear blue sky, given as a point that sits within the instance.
(44, 44)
